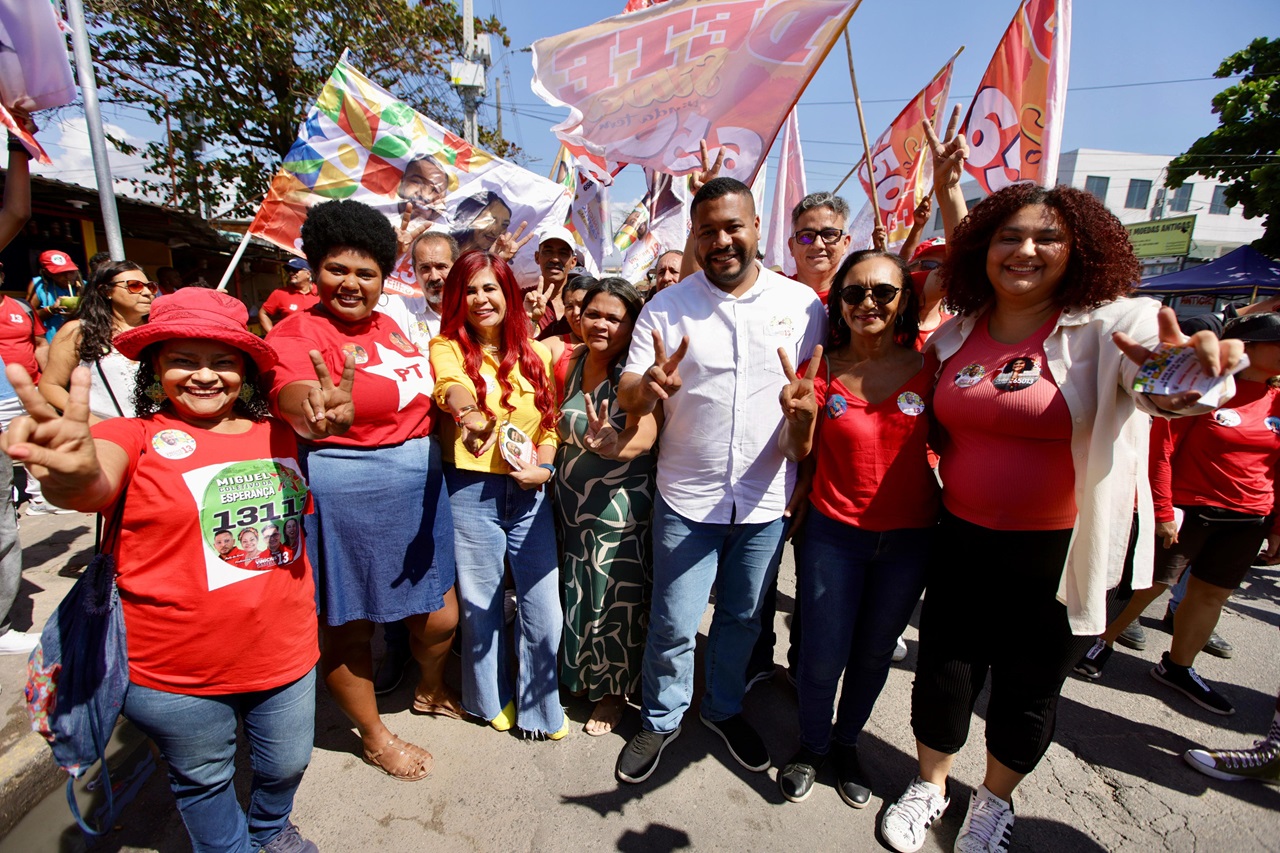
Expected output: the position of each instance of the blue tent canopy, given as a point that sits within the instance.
(1240, 271)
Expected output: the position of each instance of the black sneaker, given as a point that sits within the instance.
(1135, 637)
(796, 779)
(1187, 681)
(851, 782)
(744, 743)
(639, 758)
(763, 674)
(1090, 666)
(1218, 647)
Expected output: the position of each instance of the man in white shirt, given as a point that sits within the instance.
(723, 485)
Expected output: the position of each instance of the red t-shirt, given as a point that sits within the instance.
(196, 623)
(284, 301)
(1006, 451)
(1226, 458)
(392, 390)
(822, 296)
(19, 327)
(923, 336)
(872, 471)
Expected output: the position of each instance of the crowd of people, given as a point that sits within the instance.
(553, 476)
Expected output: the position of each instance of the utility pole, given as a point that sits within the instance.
(468, 73)
(497, 92)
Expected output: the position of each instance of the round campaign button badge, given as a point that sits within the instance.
(402, 344)
(361, 355)
(970, 375)
(909, 403)
(837, 405)
(1273, 424)
(173, 444)
(1018, 373)
(1227, 417)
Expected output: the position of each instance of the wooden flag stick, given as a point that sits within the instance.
(846, 177)
(862, 125)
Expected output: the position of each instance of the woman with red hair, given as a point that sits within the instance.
(500, 507)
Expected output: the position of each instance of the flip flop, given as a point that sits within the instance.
(448, 708)
(412, 762)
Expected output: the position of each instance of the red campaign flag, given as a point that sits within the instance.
(645, 87)
(901, 157)
(1014, 126)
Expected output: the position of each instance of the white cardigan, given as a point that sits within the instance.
(1110, 434)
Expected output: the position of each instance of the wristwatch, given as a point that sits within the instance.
(551, 469)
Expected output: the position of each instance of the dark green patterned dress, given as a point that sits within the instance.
(603, 511)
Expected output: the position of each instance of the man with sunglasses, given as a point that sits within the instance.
(818, 241)
(706, 352)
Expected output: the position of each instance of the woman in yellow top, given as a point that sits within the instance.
(500, 507)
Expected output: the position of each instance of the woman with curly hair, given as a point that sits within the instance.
(117, 299)
(213, 646)
(1039, 481)
(380, 537)
(500, 507)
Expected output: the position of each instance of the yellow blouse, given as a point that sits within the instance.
(447, 364)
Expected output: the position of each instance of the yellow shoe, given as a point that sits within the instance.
(562, 733)
(505, 720)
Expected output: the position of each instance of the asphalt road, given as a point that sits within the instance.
(1113, 780)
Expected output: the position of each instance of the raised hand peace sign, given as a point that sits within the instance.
(508, 244)
(799, 402)
(329, 409)
(601, 437)
(535, 299)
(709, 171)
(663, 378)
(407, 232)
(948, 156)
(49, 444)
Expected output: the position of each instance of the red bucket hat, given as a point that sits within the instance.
(196, 312)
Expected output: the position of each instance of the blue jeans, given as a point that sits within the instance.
(688, 557)
(197, 737)
(493, 517)
(857, 591)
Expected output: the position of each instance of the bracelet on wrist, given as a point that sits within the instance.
(16, 146)
(463, 412)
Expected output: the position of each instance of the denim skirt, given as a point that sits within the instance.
(381, 538)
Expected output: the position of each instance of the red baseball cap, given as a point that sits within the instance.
(937, 243)
(57, 262)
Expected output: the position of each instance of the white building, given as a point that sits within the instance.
(1131, 185)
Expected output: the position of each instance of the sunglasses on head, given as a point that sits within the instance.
(924, 264)
(855, 294)
(808, 236)
(136, 287)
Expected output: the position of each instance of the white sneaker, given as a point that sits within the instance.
(987, 825)
(906, 823)
(900, 651)
(40, 506)
(17, 643)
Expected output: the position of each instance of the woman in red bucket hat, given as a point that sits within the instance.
(210, 643)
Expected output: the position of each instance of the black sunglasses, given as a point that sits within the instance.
(855, 294)
(924, 264)
(808, 236)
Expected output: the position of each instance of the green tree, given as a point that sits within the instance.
(1242, 151)
(235, 78)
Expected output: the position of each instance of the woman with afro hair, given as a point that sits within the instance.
(381, 537)
(1040, 479)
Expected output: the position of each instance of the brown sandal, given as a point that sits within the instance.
(411, 762)
(449, 705)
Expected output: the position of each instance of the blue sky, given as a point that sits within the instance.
(898, 45)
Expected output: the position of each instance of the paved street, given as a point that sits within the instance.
(1114, 780)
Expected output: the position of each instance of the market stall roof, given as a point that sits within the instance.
(1243, 270)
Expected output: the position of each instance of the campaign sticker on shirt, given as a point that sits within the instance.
(293, 306)
(837, 405)
(251, 514)
(401, 343)
(173, 444)
(970, 375)
(1228, 417)
(1018, 373)
(909, 403)
(490, 384)
(356, 350)
(1273, 424)
(780, 327)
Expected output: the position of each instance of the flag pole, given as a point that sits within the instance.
(846, 177)
(235, 261)
(862, 125)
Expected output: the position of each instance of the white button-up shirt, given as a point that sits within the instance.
(719, 461)
(414, 314)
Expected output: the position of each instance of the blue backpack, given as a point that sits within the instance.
(78, 676)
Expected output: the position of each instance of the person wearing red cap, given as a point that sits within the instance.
(22, 335)
(211, 645)
(53, 292)
(927, 283)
